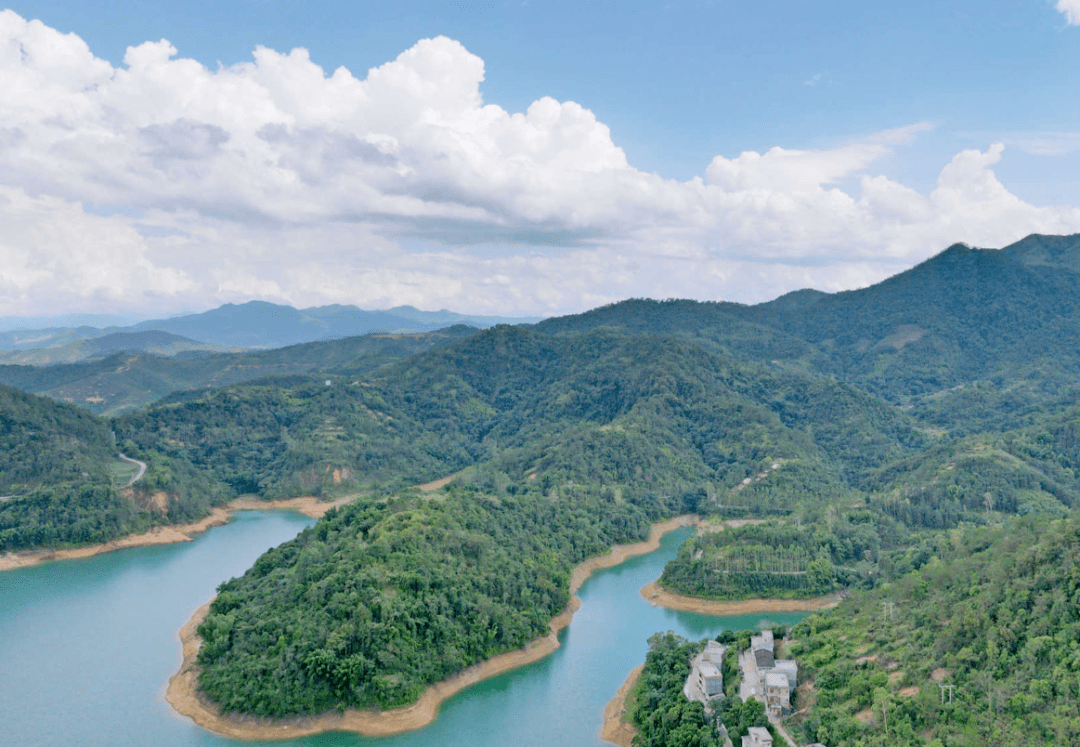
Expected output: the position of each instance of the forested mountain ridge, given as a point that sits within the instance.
(601, 408)
(671, 396)
(129, 380)
(965, 315)
(973, 338)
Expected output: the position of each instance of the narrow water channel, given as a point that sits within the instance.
(87, 646)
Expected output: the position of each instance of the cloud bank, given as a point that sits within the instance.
(162, 184)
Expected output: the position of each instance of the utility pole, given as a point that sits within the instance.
(943, 689)
(888, 611)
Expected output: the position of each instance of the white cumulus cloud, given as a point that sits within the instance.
(163, 182)
(1071, 9)
(55, 253)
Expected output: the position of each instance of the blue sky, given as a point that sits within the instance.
(867, 102)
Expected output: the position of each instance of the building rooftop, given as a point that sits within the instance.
(757, 736)
(708, 669)
(775, 679)
(788, 667)
(762, 642)
(714, 652)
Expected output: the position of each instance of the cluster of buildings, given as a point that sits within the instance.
(764, 677)
(767, 678)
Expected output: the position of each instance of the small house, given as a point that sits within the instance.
(706, 680)
(758, 736)
(710, 680)
(777, 693)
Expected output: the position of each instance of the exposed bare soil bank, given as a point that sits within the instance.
(168, 535)
(308, 505)
(616, 730)
(442, 482)
(183, 693)
(658, 596)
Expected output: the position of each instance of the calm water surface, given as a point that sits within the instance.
(87, 646)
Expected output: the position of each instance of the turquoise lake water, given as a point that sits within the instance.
(87, 647)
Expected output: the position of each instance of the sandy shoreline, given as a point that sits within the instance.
(167, 535)
(615, 729)
(658, 596)
(183, 694)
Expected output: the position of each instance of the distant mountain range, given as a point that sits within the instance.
(971, 338)
(152, 342)
(67, 321)
(115, 381)
(256, 324)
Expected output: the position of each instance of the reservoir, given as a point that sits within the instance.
(87, 647)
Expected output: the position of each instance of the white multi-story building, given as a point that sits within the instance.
(706, 680)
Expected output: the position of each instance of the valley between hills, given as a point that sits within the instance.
(915, 443)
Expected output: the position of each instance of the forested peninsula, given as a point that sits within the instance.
(856, 436)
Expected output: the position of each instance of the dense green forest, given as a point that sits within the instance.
(62, 483)
(602, 409)
(125, 381)
(864, 533)
(991, 611)
(660, 711)
(386, 596)
(976, 339)
(774, 559)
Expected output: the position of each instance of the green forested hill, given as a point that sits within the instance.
(44, 442)
(992, 611)
(384, 597)
(965, 315)
(864, 534)
(974, 339)
(62, 483)
(604, 409)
